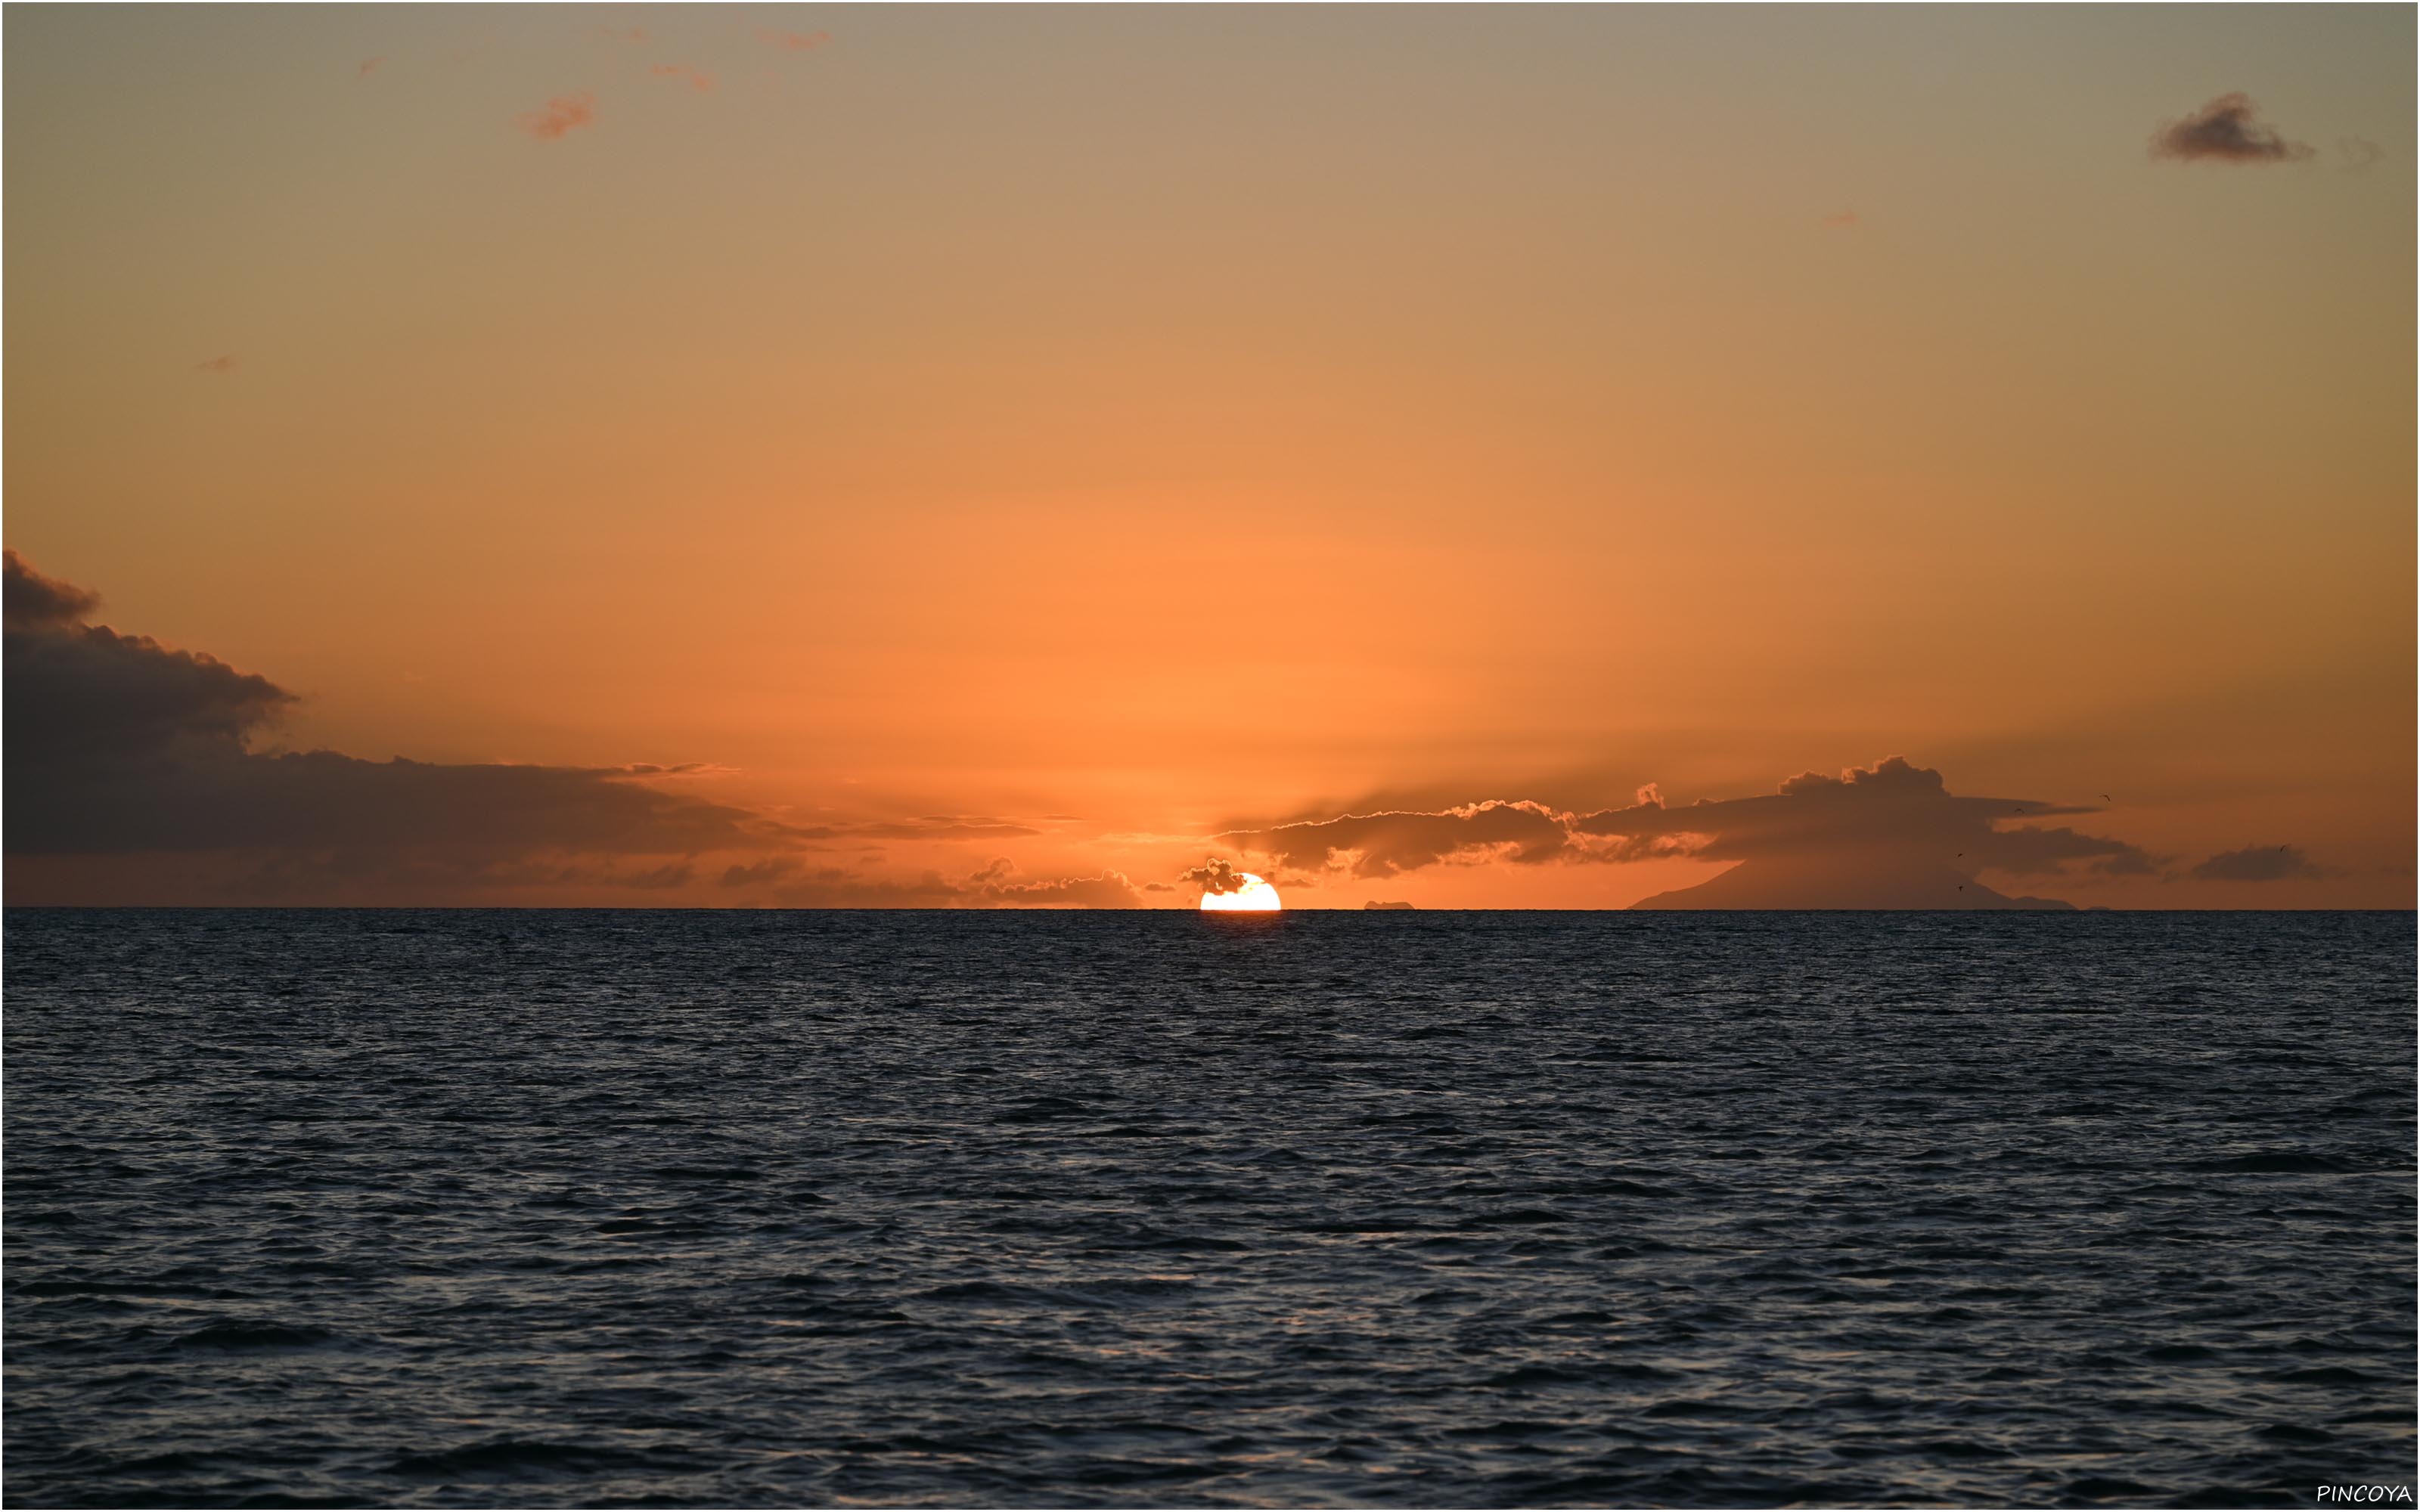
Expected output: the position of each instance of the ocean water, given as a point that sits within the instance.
(620, 1207)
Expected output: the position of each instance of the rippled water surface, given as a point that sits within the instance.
(1482, 1208)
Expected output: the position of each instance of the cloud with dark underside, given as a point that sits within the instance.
(560, 118)
(1890, 835)
(1376, 845)
(1216, 875)
(122, 748)
(2260, 863)
(2227, 130)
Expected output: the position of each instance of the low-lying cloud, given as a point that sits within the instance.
(787, 882)
(1377, 846)
(139, 772)
(1890, 835)
(2259, 863)
(119, 747)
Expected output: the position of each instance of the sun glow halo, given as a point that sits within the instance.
(1254, 897)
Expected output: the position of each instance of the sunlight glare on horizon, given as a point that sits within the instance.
(1254, 896)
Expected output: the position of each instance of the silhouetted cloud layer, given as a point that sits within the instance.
(787, 883)
(1890, 835)
(1884, 813)
(1382, 844)
(119, 745)
(2227, 129)
(2259, 863)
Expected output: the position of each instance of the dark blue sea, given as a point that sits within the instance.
(1475, 1210)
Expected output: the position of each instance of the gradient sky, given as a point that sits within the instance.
(1001, 446)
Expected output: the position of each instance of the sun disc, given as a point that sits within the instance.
(1254, 896)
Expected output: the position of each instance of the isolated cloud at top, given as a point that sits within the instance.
(2227, 129)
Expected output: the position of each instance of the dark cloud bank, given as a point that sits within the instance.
(139, 773)
(135, 774)
(1888, 835)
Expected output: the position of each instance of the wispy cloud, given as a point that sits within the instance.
(2359, 153)
(698, 80)
(2227, 129)
(563, 114)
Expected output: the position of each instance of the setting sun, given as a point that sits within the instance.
(1254, 896)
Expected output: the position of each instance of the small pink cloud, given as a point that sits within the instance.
(794, 42)
(698, 80)
(368, 66)
(221, 366)
(563, 114)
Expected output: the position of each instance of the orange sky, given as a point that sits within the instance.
(1111, 428)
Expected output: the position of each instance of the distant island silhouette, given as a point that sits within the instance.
(1825, 882)
(1394, 905)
